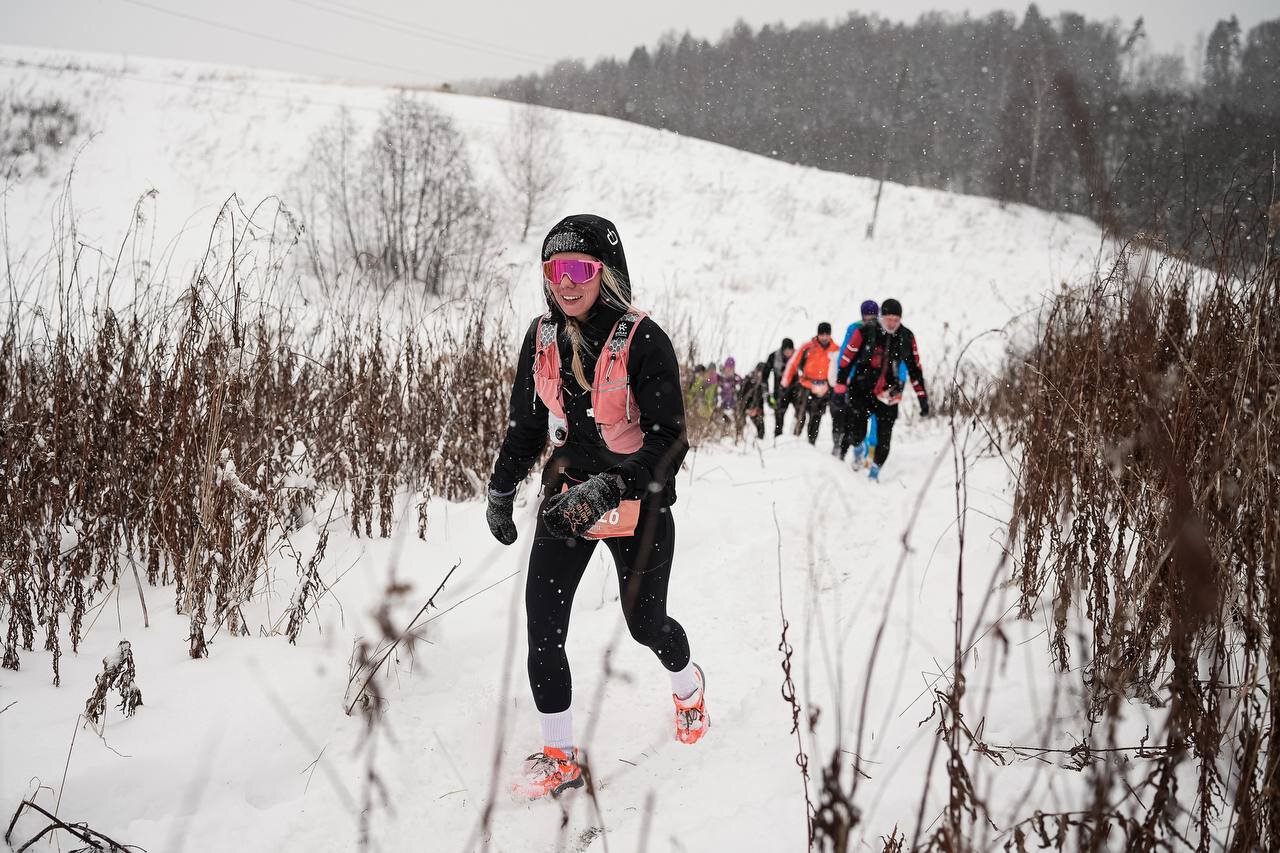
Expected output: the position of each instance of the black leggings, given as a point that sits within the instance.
(814, 407)
(861, 407)
(839, 416)
(787, 398)
(556, 566)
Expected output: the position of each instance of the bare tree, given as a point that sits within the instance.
(404, 209)
(33, 128)
(427, 208)
(532, 163)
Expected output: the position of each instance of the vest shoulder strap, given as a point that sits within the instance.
(623, 330)
(546, 335)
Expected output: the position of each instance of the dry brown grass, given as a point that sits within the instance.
(1148, 421)
(192, 444)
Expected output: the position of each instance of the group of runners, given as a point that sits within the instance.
(598, 379)
(861, 381)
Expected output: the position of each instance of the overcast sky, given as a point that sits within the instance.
(412, 41)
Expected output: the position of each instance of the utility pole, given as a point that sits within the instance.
(886, 148)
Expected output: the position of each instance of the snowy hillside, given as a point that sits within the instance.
(749, 248)
(250, 749)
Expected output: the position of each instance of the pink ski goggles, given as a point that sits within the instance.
(579, 272)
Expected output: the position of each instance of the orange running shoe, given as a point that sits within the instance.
(551, 771)
(692, 720)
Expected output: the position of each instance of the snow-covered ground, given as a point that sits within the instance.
(251, 749)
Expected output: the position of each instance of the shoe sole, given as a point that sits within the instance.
(572, 783)
(528, 796)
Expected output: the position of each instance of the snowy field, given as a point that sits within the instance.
(251, 750)
(747, 248)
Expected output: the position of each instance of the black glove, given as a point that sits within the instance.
(499, 516)
(924, 405)
(572, 513)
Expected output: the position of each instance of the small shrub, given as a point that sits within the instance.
(118, 673)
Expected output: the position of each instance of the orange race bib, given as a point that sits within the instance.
(620, 521)
(617, 522)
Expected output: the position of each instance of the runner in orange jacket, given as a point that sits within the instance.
(810, 368)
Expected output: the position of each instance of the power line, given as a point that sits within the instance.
(182, 84)
(256, 92)
(409, 28)
(300, 46)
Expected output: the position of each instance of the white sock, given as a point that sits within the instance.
(557, 729)
(684, 682)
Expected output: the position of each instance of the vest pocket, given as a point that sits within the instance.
(617, 418)
(622, 437)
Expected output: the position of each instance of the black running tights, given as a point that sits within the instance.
(861, 408)
(556, 565)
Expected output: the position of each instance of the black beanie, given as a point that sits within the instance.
(592, 235)
(787, 343)
(891, 308)
(824, 328)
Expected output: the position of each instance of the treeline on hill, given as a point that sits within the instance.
(1063, 113)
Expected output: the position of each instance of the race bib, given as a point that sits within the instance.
(617, 522)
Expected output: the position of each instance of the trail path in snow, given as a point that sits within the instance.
(250, 749)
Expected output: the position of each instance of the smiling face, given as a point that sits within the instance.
(891, 322)
(574, 299)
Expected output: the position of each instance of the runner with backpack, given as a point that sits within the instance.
(808, 373)
(751, 402)
(870, 313)
(599, 379)
(870, 373)
(778, 395)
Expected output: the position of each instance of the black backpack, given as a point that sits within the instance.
(862, 374)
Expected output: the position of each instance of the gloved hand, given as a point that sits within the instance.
(499, 516)
(841, 388)
(924, 406)
(572, 513)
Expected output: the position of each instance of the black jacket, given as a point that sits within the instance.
(752, 393)
(775, 365)
(655, 386)
(872, 358)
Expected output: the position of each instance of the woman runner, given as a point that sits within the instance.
(599, 379)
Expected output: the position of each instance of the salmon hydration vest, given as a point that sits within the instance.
(612, 407)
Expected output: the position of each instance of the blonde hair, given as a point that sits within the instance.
(613, 290)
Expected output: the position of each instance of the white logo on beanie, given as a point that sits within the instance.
(612, 237)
